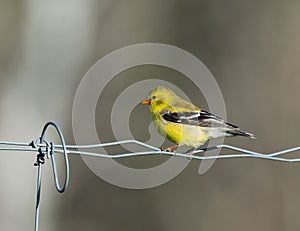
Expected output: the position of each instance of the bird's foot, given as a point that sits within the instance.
(190, 152)
(169, 149)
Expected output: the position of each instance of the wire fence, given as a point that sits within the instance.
(43, 148)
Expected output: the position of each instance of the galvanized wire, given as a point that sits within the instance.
(48, 149)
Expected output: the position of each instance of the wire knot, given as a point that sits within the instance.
(44, 149)
(40, 159)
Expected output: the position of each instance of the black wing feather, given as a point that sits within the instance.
(201, 118)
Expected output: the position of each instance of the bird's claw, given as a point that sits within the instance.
(190, 155)
(169, 149)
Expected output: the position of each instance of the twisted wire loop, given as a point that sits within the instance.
(50, 150)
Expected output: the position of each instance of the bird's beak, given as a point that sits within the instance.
(146, 102)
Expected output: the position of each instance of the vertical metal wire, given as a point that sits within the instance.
(38, 195)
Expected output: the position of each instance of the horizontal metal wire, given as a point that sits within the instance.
(241, 153)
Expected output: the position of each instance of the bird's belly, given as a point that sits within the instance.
(185, 135)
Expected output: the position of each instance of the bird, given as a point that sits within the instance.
(185, 124)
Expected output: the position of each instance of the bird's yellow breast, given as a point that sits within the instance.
(182, 134)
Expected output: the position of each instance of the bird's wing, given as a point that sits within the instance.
(206, 120)
(198, 118)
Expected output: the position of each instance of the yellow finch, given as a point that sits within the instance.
(184, 123)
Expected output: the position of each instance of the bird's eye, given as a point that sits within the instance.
(154, 97)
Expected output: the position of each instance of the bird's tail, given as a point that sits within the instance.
(239, 132)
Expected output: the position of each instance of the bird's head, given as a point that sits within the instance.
(160, 98)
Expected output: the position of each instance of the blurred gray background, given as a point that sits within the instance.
(252, 49)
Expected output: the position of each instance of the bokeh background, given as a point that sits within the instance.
(252, 49)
